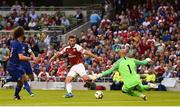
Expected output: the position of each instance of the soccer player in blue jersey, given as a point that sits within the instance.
(26, 51)
(14, 66)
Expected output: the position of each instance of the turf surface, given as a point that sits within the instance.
(87, 98)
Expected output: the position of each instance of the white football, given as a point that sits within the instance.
(99, 94)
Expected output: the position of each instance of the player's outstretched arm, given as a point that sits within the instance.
(54, 57)
(93, 55)
(143, 62)
(57, 54)
(109, 71)
(32, 54)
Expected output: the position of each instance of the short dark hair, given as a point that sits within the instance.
(71, 37)
(19, 31)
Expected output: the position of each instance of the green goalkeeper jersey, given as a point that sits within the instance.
(127, 68)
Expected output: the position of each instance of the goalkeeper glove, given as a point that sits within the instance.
(98, 75)
(94, 76)
(148, 59)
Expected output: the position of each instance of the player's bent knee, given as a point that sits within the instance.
(31, 77)
(20, 83)
(68, 79)
(23, 79)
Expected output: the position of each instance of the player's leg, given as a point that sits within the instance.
(68, 81)
(17, 90)
(81, 71)
(23, 69)
(13, 75)
(27, 86)
(30, 75)
(21, 78)
(131, 92)
(20, 83)
(142, 87)
(70, 76)
(29, 72)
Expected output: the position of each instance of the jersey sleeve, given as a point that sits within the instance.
(80, 49)
(112, 69)
(138, 62)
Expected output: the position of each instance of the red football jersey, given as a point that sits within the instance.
(74, 54)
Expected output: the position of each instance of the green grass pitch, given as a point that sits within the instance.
(87, 98)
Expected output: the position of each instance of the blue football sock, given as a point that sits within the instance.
(27, 87)
(17, 90)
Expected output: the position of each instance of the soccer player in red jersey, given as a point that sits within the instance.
(74, 53)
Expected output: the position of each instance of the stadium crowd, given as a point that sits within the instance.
(22, 15)
(145, 32)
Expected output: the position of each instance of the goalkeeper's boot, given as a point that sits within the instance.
(144, 97)
(69, 95)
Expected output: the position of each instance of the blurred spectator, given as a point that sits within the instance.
(147, 30)
(32, 5)
(23, 6)
(79, 14)
(4, 5)
(95, 19)
(4, 56)
(65, 21)
(150, 77)
(33, 15)
(43, 75)
(105, 22)
(9, 26)
(52, 78)
(1, 71)
(16, 7)
(47, 38)
(32, 24)
(120, 5)
(117, 81)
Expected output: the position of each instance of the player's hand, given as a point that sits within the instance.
(92, 77)
(148, 59)
(98, 75)
(33, 58)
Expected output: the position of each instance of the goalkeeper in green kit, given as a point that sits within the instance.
(127, 68)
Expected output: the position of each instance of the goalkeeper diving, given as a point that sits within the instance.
(127, 68)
